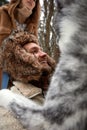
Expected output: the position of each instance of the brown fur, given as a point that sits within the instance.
(17, 62)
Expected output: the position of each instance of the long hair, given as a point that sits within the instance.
(33, 20)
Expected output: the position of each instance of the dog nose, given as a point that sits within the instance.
(59, 4)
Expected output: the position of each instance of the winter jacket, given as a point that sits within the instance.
(7, 120)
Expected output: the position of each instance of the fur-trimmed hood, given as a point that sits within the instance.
(17, 62)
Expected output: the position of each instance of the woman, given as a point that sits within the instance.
(21, 12)
(20, 15)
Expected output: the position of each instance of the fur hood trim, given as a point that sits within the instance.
(17, 62)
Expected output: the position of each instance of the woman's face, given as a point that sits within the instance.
(30, 4)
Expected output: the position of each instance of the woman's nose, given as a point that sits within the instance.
(31, 0)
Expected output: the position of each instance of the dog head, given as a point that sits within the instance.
(70, 18)
(60, 6)
(67, 8)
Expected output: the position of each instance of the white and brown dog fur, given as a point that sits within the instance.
(65, 107)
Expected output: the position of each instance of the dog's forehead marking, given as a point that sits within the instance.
(67, 29)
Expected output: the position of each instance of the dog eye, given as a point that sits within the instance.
(59, 6)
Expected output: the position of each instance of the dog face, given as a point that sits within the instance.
(69, 19)
(61, 7)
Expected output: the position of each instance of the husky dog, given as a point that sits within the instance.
(65, 107)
